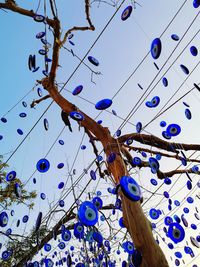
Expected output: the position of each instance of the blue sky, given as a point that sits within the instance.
(119, 50)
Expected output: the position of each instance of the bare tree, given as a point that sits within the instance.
(134, 219)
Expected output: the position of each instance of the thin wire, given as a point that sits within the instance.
(134, 71)
(138, 104)
(19, 101)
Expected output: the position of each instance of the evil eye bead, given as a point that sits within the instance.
(93, 175)
(88, 213)
(190, 200)
(43, 165)
(61, 185)
(43, 196)
(31, 62)
(103, 104)
(25, 219)
(118, 132)
(175, 37)
(39, 18)
(129, 141)
(193, 51)
(40, 35)
(17, 190)
(128, 247)
(4, 120)
(97, 237)
(166, 135)
(138, 127)
(178, 254)
(185, 69)
(176, 203)
(11, 176)
(111, 158)
(177, 219)
(158, 156)
(163, 123)
(39, 92)
(97, 201)
(176, 232)
(126, 13)
(61, 142)
(48, 263)
(5, 255)
(60, 165)
(46, 124)
(154, 165)
(188, 114)
(194, 242)
(3, 219)
(35, 69)
(24, 104)
(72, 43)
(77, 116)
(69, 261)
(66, 235)
(196, 3)
(42, 52)
(168, 220)
(77, 90)
(18, 223)
(173, 129)
(47, 247)
(79, 230)
(156, 47)
(93, 60)
(165, 81)
(118, 204)
(22, 115)
(38, 221)
(186, 210)
(154, 214)
(61, 203)
(61, 245)
(130, 188)
(70, 36)
(153, 182)
(136, 161)
(166, 194)
(153, 103)
(20, 132)
(136, 258)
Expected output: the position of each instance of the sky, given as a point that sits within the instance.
(120, 49)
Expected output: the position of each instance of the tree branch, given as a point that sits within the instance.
(155, 141)
(10, 5)
(155, 152)
(163, 175)
(81, 28)
(35, 102)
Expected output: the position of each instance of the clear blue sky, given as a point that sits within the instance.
(119, 50)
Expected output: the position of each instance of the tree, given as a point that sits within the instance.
(7, 192)
(140, 232)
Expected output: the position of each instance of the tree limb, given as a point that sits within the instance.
(155, 141)
(80, 28)
(155, 152)
(10, 5)
(35, 102)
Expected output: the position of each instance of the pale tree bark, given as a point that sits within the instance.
(135, 221)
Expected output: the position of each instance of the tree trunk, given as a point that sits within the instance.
(133, 216)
